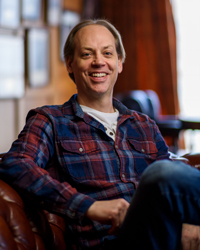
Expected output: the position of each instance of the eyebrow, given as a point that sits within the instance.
(109, 46)
(105, 47)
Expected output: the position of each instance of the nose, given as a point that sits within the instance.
(98, 60)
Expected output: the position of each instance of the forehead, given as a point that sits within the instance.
(94, 34)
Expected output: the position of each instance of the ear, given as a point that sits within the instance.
(120, 65)
(68, 63)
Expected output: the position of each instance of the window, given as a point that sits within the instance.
(187, 22)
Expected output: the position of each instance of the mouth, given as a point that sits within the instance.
(98, 74)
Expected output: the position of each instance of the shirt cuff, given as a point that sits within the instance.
(78, 206)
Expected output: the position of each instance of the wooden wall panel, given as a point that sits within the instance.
(7, 124)
(148, 33)
(75, 5)
(57, 91)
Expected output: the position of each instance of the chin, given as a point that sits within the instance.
(100, 89)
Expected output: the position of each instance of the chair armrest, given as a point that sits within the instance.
(23, 225)
(193, 159)
(175, 157)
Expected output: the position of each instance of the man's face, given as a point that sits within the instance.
(96, 64)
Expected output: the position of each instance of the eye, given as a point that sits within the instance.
(108, 53)
(86, 54)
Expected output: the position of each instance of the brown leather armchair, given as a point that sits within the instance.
(23, 226)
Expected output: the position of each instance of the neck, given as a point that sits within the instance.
(105, 106)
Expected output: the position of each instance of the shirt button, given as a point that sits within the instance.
(142, 150)
(73, 214)
(123, 175)
(111, 133)
(80, 149)
(116, 146)
(105, 129)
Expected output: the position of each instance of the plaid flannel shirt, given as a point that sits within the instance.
(65, 158)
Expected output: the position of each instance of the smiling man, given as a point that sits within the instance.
(95, 66)
(103, 167)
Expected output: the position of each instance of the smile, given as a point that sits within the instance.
(98, 74)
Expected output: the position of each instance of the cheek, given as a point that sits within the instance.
(83, 64)
(80, 72)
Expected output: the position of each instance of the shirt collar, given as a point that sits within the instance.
(123, 110)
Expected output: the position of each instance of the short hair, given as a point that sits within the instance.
(69, 46)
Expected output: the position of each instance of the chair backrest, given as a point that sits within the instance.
(144, 101)
(136, 100)
(154, 104)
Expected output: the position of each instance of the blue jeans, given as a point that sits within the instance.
(167, 196)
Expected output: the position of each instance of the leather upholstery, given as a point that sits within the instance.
(23, 226)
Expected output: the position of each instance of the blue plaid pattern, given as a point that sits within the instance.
(65, 158)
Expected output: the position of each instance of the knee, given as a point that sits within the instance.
(164, 172)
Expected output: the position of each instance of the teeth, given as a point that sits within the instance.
(98, 74)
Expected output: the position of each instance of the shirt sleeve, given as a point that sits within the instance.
(24, 167)
(163, 149)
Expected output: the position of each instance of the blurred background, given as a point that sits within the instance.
(161, 39)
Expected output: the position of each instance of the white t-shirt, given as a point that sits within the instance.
(109, 120)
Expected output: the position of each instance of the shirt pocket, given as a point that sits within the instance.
(79, 158)
(145, 153)
(79, 147)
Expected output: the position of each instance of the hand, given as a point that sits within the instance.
(190, 237)
(109, 212)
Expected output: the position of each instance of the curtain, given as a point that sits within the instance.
(91, 9)
(148, 32)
